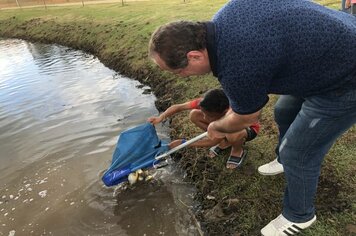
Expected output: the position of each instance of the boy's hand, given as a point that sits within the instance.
(155, 120)
(347, 4)
(175, 143)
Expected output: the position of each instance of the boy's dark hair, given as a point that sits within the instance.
(215, 101)
(174, 40)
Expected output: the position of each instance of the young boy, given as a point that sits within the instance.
(213, 106)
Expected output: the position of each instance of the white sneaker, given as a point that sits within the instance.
(271, 168)
(283, 227)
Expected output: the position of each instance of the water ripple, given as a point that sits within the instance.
(61, 111)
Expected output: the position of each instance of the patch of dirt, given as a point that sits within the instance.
(330, 195)
(351, 229)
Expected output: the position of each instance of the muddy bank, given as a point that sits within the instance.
(232, 202)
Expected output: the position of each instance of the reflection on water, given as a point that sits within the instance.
(60, 113)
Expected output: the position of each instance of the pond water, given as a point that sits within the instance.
(61, 111)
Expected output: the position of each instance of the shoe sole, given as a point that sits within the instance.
(269, 174)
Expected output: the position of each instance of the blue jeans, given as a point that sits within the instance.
(308, 128)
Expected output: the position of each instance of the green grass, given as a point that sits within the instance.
(244, 201)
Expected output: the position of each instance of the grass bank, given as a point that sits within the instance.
(232, 202)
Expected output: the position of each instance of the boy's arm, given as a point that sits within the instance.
(169, 112)
(230, 123)
(347, 4)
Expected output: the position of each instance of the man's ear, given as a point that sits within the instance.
(195, 55)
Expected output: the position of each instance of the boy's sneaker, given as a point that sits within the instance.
(283, 227)
(271, 168)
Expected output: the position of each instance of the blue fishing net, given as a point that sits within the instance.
(135, 149)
